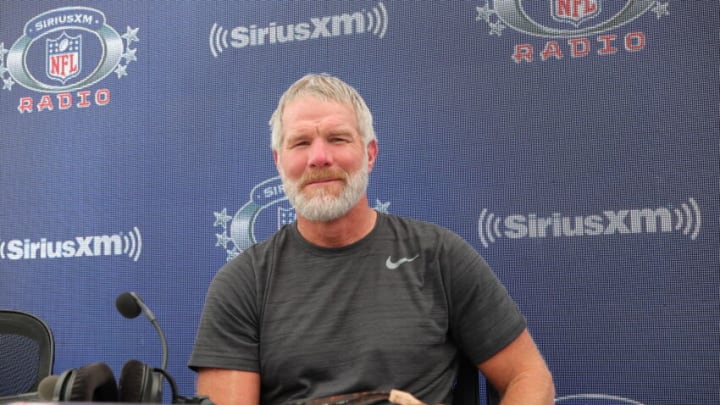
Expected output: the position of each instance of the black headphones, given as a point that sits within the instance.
(96, 382)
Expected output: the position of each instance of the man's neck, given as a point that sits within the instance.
(346, 230)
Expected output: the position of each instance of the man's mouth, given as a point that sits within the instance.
(322, 179)
(321, 182)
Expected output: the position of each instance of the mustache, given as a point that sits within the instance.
(322, 175)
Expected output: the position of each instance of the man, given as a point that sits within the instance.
(349, 300)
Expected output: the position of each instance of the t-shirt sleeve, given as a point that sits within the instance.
(483, 316)
(227, 336)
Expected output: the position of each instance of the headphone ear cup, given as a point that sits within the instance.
(93, 382)
(61, 390)
(139, 383)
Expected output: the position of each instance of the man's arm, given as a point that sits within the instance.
(229, 387)
(519, 373)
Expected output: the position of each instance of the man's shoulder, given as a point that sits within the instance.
(413, 225)
(279, 237)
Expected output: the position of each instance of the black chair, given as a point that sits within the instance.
(27, 354)
(467, 388)
(492, 396)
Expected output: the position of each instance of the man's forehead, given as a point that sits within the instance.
(307, 100)
(310, 110)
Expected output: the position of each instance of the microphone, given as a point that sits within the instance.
(129, 304)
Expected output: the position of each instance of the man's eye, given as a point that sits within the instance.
(299, 144)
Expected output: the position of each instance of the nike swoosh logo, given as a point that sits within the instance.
(390, 264)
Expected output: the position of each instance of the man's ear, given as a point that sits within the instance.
(372, 152)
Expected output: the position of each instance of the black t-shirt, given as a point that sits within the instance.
(389, 311)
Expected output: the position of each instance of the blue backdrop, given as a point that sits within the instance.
(574, 144)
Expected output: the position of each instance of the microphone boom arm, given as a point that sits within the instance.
(163, 341)
(129, 304)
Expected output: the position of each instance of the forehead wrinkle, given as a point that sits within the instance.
(336, 117)
(321, 125)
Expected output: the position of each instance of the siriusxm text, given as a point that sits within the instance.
(64, 20)
(320, 27)
(608, 223)
(81, 246)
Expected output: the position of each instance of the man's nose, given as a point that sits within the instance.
(320, 154)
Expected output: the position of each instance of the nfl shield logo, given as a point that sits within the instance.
(574, 12)
(63, 57)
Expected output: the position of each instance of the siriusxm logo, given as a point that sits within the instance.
(374, 22)
(575, 28)
(119, 244)
(62, 52)
(685, 219)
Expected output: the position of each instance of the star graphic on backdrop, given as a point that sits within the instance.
(222, 240)
(221, 218)
(131, 35)
(121, 70)
(381, 206)
(232, 253)
(496, 28)
(484, 13)
(129, 55)
(8, 83)
(661, 9)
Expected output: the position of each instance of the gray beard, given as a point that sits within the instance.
(326, 207)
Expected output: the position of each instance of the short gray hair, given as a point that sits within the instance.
(328, 88)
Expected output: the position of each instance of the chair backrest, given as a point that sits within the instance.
(27, 352)
(491, 395)
(467, 388)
